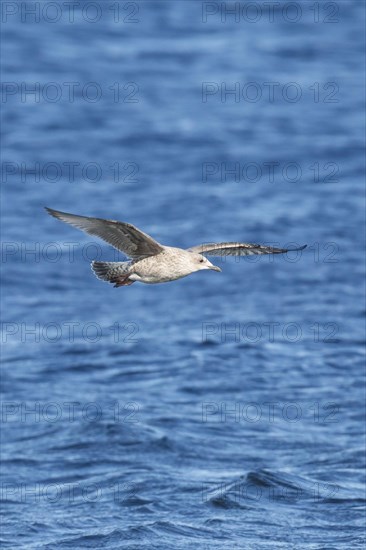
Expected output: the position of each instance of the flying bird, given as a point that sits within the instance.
(152, 262)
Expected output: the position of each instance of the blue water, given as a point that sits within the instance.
(222, 410)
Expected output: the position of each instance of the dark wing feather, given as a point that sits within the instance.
(238, 249)
(123, 236)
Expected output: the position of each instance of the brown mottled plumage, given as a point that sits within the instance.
(152, 262)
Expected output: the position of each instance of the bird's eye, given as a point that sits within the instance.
(201, 261)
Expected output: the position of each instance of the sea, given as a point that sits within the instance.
(223, 410)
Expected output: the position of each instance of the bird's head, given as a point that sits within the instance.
(201, 262)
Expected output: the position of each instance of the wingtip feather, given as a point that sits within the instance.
(52, 212)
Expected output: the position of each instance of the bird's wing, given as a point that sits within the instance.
(123, 236)
(238, 249)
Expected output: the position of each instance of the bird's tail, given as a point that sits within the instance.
(112, 272)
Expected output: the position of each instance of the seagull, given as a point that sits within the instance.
(152, 262)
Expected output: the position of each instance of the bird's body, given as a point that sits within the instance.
(168, 265)
(152, 262)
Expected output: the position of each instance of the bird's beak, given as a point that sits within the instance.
(215, 268)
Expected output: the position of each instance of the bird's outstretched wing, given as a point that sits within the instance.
(238, 249)
(123, 236)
